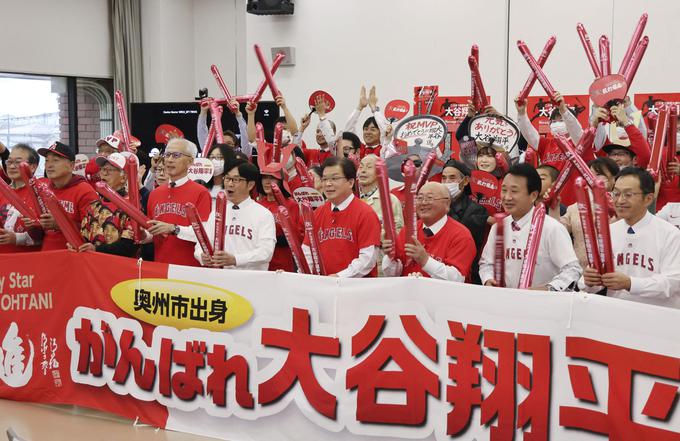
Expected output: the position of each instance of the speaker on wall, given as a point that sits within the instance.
(270, 7)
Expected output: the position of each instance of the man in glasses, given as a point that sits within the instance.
(442, 248)
(646, 249)
(557, 267)
(251, 230)
(347, 229)
(173, 236)
(14, 236)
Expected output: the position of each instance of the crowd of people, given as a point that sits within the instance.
(455, 235)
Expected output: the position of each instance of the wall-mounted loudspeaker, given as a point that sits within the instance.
(270, 7)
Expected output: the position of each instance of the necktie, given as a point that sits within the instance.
(336, 209)
(428, 232)
(630, 230)
(515, 227)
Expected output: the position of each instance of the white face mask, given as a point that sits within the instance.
(291, 162)
(621, 133)
(454, 189)
(558, 128)
(218, 165)
(286, 138)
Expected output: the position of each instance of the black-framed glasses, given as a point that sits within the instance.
(234, 179)
(427, 199)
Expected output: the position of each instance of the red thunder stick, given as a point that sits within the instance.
(540, 76)
(201, 235)
(27, 176)
(499, 250)
(223, 87)
(259, 131)
(410, 219)
(308, 219)
(269, 78)
(131, 171)
(529, 84)
(293, 240)
(585, 213)
(209, 141)
(477, 79)
(529, 264)
(531, 157)
(600, 210)
(502, 163)
(588, 47)
(278, 140)
(671, 136)
(257, 96)
(355, 159)
(216, 115)
(220, 221)
(584, 142)
(474, 95)
(386, 205)
(66, 225)
(305, 177)
(635, 60)
(605, 56)
(426, 169)
(15, 200)
(278, 196)
(567, 147)
(659, 140)
(122, 116)
(123, 204)
(634, 39)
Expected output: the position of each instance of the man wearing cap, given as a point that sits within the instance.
(108, 145)
(442, 249)
(173, 236)
(105, 227)
(251, 232)
(73, 192)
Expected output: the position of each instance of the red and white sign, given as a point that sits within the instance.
(498, 130)
(396, 110)
(425, 131)
(608, 88)
(320, 94)
(486, 190)
(308, 194)
(245, 355)
(650, 103)
(539, 109)
(201, 170)
(80, 164)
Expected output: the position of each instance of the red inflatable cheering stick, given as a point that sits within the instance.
(386, 204)
(220, 221)
(526, 276)
(201, 235)
(529, 84)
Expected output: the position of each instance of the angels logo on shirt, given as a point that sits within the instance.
(169, 208)
(336, 233)
(240, 230)
(635, 259)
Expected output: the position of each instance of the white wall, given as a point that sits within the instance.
(392, 44)
(65, 37)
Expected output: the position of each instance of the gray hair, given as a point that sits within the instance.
(189, 147)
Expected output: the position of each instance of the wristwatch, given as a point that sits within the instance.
(175, 231)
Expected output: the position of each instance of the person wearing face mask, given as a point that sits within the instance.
(456, 178)
(220, 154)
(606, 168)
(562, 123)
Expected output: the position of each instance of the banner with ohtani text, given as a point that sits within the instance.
(244, 355)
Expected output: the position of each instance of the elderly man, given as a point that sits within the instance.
(368, 184)
(173, 236)
(442, 248)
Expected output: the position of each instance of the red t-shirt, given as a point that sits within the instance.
(551, 154)
(342, 234)
(315, 156)
(453, 245)
(283, 258)
(167, 205)
(365, 150)
(75, 197)
(10, 219)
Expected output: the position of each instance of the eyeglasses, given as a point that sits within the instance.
(16, 162)
(428, 199)
(332, 179)
(175, 155)
(235, 179)
(626, 195)
(108, 170)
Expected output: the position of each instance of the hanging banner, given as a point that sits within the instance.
(244, 355)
